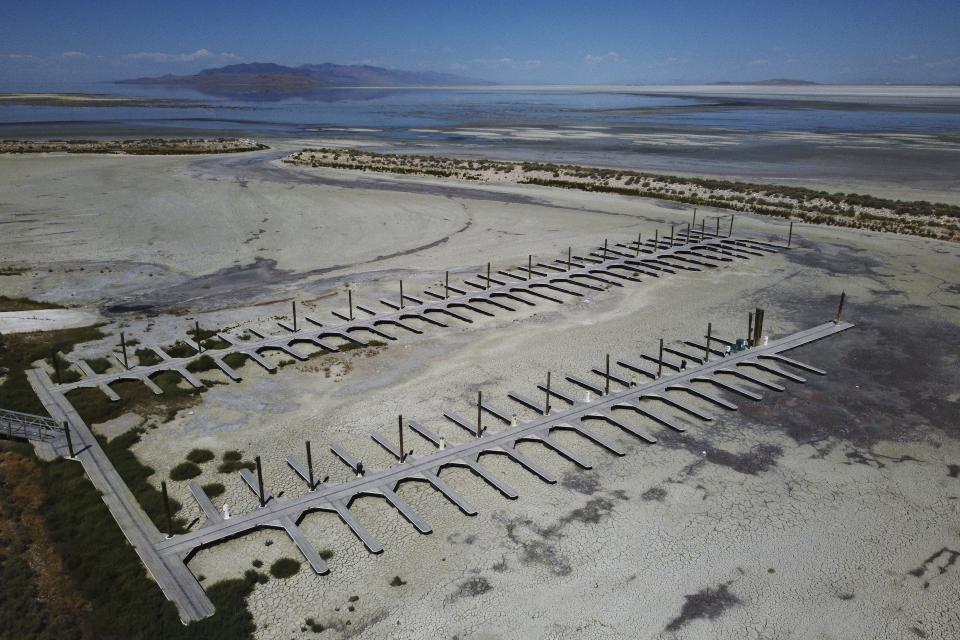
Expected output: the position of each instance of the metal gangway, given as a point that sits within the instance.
(26, 426)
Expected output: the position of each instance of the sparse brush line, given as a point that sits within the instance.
(919, 218)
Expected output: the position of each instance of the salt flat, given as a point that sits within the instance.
(825, 511)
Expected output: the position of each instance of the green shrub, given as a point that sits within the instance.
(199, 456)
(184, 471)
(284, 568)
(214, 489)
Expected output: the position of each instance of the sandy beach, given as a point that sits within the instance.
(827, 511)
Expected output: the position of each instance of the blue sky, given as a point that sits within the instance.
(56, 41)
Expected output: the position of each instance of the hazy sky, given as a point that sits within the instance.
(56, 41)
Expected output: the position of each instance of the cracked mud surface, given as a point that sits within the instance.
(829, 510)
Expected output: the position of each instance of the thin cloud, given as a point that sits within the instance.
(199, 54)
(76, 55)
(610, 56)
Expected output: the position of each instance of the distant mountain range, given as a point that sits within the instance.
(773, 82)
(269, 78)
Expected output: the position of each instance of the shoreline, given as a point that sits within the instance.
(918, 218)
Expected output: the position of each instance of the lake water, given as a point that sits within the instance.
(907, 138)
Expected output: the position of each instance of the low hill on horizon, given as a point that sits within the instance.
(268, 77)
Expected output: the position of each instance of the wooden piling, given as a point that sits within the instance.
(750, 329)
(196, 334)
(706, 355)
(294, 313)
(260, 481)
(546, 408)
(606, 385)
(66, 431)
(843, 296)
(660, 360)
(569, 261)
(350, 302)
(403, 454)
(639, 237)
(166, 508)
(310, 466)
(401, 294)
(446, 285)
(730, 231)
(479, 413)
(123, 346)
(529, 267)
(790, 234)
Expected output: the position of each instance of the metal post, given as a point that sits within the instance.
(843, 296)
(196, 333)
(660, 360)
(294, 303)
(56, 363)
(401, 294)
(730, 232)
(403, 454)
(671, 236)
(758, 326)
(569, 253)
(66, 431)
(488, 277)
(123, 345)
(350, 302)
(546, 408)
(750, 329)
(479, 410)
(446, 286)
(606, 386)
(529, 267)
(260, 481)
(656, 239)
(706, 356)
(604, 249)
(639, 237)
(310, 466)
(790, 234)
(166, 508)
(718, 226)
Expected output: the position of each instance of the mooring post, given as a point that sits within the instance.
(694, 223)
(546, 408)
(350, 301)
(672, 228)
(639, 237)
(479, 412)
(529, 267)
(196, 333)
(294, 312)
(569, 253)
(403, 454)
(446, 285)
(703, 228)
(790, 234)
(260, 481)
(401, 294)
(656, 239)
(750, 329)
(488, 277)
(758, 326)
(166, 508)
(123, 346)
(606, 386)
(310, 466)
(66, 431)
(604, 249)
(730, 232)
(660, 360)
(718, 227)
(843, 296)
(706, 356)
(56, 363)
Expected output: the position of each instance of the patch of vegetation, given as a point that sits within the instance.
(119, 599)
(397, 582)
(203, 363)
(25, 304)
(214, 489)
(256, 576)
(235, 360)
(257, 563)
(94, 407)
(314, 626)
(147, 357)
(326, 554)
(18, 352)
(184, 471)
(136, 476)
(99, 365)
(180, 350)
(199, 456)
(13, 271)
(233, 461)
(284, 568)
